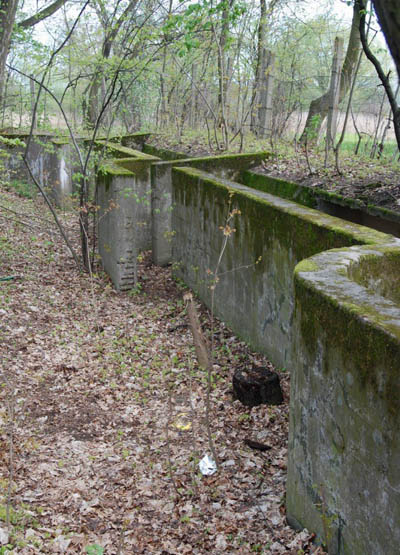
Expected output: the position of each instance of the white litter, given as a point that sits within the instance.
(4, 536)
(207, 466)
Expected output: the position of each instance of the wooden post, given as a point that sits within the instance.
(266, 95)
(334, 90)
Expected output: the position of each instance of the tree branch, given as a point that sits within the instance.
(42, 14)
(381, 74)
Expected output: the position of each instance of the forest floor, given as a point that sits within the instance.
(371, 181)
(102, 414)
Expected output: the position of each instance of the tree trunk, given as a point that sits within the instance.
(33, 99)
(320, 106)
(261, 50)
(262, 81)
(388, 14)
(93, 102)
(223, 72)
(264, 119)
(111, 31)
(8, 9)
(334, 94)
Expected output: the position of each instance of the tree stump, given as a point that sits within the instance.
(257, 386)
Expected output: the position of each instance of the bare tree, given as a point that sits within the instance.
(388, 14)
(320, 106)
(8, 11)
(263, 81)
(391, 30)
(111, 23)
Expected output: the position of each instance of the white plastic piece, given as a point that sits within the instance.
(207, 466)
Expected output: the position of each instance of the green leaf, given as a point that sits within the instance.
(94, 549)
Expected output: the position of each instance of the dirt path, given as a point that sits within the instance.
(109, 416)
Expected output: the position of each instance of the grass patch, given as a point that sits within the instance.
(21, 188)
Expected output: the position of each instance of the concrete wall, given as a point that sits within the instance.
(124, 225)
(148, 204)
(225, 166)
(258, 301)
(323, 318)
(350, 209)
(344, 445)
(52, 162)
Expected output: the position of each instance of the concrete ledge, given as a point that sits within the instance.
(163, 153)
(257, 302)
(335, 204)
(123, 152)
(132, 140)
(344, 446)
(229, 166)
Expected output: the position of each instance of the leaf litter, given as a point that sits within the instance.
(103, 404)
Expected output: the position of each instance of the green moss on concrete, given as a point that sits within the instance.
(133, 136)
(384, 213)
(124, 152)
(110, 168)
(234, 160)
(299, 231)
(280, 187)
(370, 340)
(140, 167)
(163, 153)
(61, 141)
(307, 232)
(379, 273)
(307, 196)
(307, 266)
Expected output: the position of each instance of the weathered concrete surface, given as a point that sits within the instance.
(118, 226)
(256, 300)
(135, 140)
(344, 445)
(114, 150)
(124, 228)
(164, 153)
(52, 161)
(337, 330)
(350, 209)
(224, 166)
(62, 165)
(36, 157)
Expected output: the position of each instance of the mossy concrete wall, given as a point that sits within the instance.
(163, 153)
(334, 322)
(350, 209)
(256, 300)
(124, 224)
(226, 166)
(344, 445)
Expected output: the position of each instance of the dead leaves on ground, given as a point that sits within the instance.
(90, 378)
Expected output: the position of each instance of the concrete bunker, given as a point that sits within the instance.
(323, 301)
(318, 305)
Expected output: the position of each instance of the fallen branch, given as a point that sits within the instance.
(199, 341)
(204, 360)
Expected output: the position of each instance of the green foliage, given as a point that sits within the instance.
(94, 549)
(22, 188)
(313, 128)
(7, 141)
